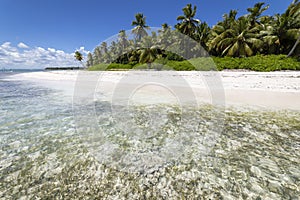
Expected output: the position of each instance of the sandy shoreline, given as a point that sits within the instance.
(279, 90)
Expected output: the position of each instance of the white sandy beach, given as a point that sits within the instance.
(279, 90)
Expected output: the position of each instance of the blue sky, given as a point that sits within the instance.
(52, 29)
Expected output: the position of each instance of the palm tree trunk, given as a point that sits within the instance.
(294, 47)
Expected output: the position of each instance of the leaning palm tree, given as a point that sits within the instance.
(78, 56)
(295, 45)
(188, 23)
(287, 26)
(140, 26)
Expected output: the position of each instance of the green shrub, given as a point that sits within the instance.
(227, 63)
(258, 63)
(181, 65)
(204, 64)
(99, 67)
(254, 63)
(119, 66)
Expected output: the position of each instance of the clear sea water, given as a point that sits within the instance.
(45, 154)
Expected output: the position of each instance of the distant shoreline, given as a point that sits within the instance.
(64, 68)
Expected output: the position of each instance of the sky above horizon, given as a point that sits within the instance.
(43, 33)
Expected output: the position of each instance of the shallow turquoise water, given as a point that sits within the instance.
(157, 152)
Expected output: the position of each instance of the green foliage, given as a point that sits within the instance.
(119, 66)
(204, 64)
(258, 63)
(112, 66)
(98, 67)
(254, 63)
(246, 36)
(181, 65)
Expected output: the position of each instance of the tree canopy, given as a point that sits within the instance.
(234, 36)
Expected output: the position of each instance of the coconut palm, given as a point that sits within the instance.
(219, 29)
(140, 26)
(295, 45)
(165, 27)
(255, 13)
(188, 24)
(90, 60)
(165, 38)
(97, 55)
(123, 40)
(238, 41)
(202, 34)
(228, 19)
(132, 51)
(122, 46)
(287, 26)
(105, 53)
(114, 51)
(271, 44)
(78, 56)
(149, 51)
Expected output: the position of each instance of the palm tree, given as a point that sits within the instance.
(255, 13)
(295, 45)
(132, 51)
(187, 24)
(165, 38)
(140, 26)
(219, 29)
(114, 51)
(271, 41)
(122, 40)
(228, 19)
(165, 27)
(287, 26)
(97, 55)
(106, 57)
(202, 34)
(90, 60)
(149, 51)
(122, 46)
(237, 41)
(78, 56)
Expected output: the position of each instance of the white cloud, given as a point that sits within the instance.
(6, 46)
(38, 57)
(22, 45)
(51, 50)
(83, 51)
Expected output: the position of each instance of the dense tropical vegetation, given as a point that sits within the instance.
(251, 37)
